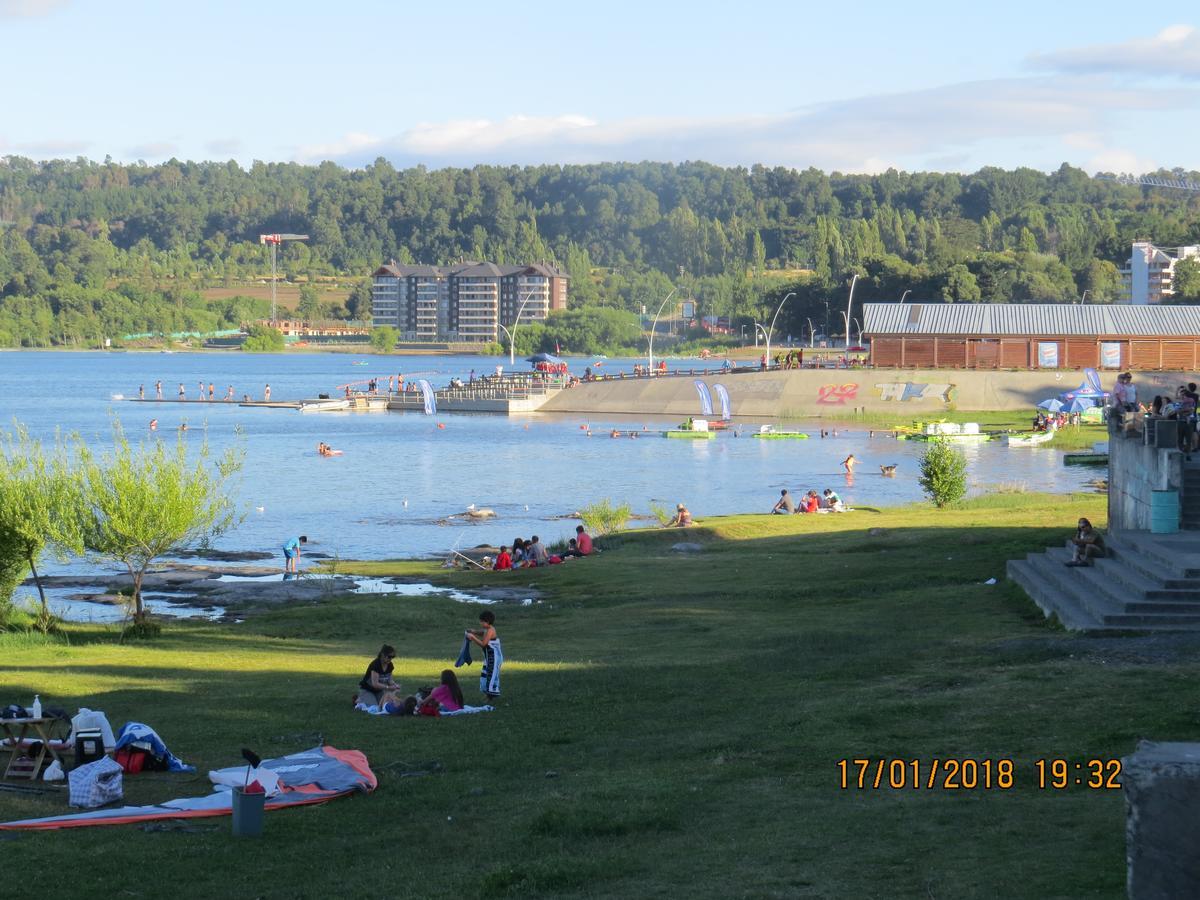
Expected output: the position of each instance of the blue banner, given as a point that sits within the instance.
(430, 400)
(705, 398)
(723, 396)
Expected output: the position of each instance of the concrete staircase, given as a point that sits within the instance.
(1190, 495)
(1148, 582)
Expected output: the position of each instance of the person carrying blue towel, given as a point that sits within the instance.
(493, 657)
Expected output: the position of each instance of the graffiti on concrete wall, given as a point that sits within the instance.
(904, 391)
(836, 394)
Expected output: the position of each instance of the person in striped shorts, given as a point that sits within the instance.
(493, 656)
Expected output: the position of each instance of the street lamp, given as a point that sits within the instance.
(773, 318)
(849, 304)
(654, 326)
(858, 325)
(512, 340)
(743, 335)
(757, 328)
(1083, 299)
(905, 294)
(812, 335)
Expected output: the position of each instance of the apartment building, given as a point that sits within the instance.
(1150, 271)
(468, 302)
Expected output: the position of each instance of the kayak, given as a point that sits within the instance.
(781, 435)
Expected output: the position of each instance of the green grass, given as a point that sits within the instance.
(670, 724)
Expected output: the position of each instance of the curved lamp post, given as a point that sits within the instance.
(905, 294)
(812, 335)
(655, 325)
(849, 305)
(773, 318)
(1083, 299)
(512, 340)
(757, 328)
(858, 325)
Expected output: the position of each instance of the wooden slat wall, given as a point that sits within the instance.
(1182, 353)
(1014, 354)
(885, 351)
(952, 353)
(1083, 352)
(918, 352)
(1143, 354)
(1178, 355)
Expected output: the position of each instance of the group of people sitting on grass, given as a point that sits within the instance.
(378, 690)
(532, 553)
(809, 503)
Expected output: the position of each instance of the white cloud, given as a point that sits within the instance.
(28, 9)
(953, 124)
(224, 146)
(1118, 160)
(52, 149)
(1173, 51)
(152, 150)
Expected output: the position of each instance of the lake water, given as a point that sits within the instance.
(401, 476)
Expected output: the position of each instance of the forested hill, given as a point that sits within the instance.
(87, 245)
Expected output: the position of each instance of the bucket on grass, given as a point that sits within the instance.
(248, 811)
(1164, 512)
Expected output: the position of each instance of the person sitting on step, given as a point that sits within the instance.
(1088, 545)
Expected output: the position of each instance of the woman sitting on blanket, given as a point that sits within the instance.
(446, 697)
(377, 686)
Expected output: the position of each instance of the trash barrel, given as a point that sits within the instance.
(1164, 512)
(248, 813)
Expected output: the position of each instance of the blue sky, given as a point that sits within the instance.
(850, 87)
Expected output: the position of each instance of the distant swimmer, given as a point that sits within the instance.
(182, 392)
(229, 393)
(267, 393)
(154, 424)
(887, 471)
(849, 463)
(158, 389)
(141, 392)
(183, 426)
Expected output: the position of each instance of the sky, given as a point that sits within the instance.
(942, 86)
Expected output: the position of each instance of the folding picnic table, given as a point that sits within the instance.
(15, 733)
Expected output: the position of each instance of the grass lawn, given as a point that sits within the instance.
(671, 725)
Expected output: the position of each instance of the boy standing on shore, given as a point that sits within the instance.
(493, 658)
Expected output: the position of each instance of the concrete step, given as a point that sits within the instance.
(1125, 585)
(1133, 564)
(1051, 601)
(1085, 599)
(1177, 556)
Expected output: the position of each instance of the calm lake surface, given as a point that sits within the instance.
(401, 476)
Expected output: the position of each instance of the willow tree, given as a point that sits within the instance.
(139, 504)
(37, 509)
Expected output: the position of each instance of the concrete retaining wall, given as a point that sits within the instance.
(842, 392)
(1136, 469)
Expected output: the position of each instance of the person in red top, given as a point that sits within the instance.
(812, 503)
(583, 540)
(503, 560)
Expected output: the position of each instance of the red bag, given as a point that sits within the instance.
(131, 759)
(430, 708)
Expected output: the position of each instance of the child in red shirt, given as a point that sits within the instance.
(503, 560)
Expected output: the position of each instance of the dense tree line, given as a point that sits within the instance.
(80, 236)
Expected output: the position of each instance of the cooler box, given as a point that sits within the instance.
(89, 747)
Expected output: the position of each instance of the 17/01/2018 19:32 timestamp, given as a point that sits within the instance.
(967, 774)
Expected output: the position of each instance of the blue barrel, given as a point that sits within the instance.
(1164, 512)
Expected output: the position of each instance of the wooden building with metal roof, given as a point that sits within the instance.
(1032, 336)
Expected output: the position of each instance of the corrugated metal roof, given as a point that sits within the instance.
(1028, 319)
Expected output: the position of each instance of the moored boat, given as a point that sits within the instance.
(324, 405)
(1030, 440)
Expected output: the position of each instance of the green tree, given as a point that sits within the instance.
(263, 339)
(139, 504)
(1186, 281)
(961, 285)
(384, 337)
(943, 473)
(310, 303)
(37, 506)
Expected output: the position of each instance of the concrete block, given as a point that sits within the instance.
(1162, 827)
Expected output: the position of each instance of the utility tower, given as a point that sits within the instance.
(275, 240)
